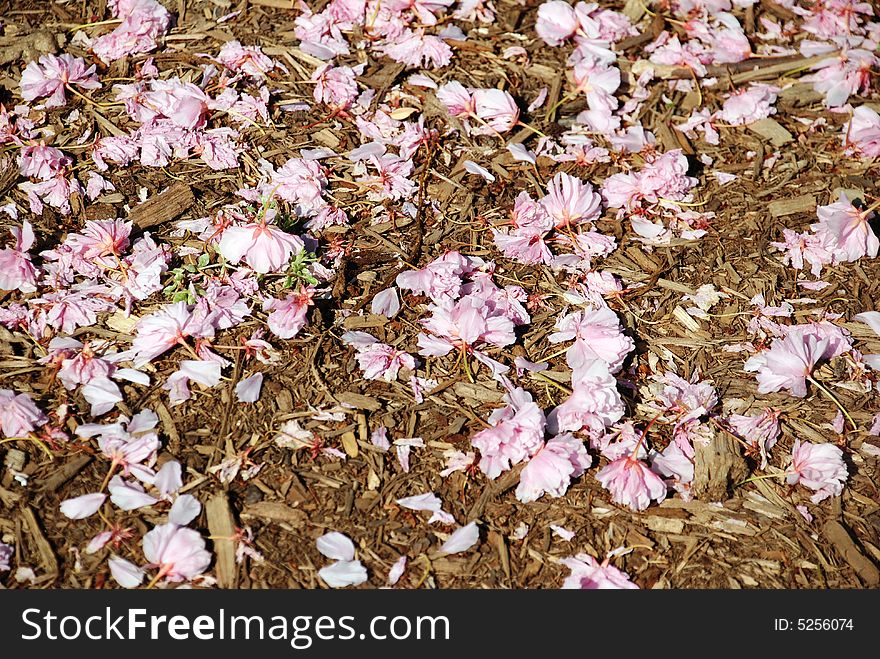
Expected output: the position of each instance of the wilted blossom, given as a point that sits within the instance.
(760, 430)
(551, 469)
(589, 574)
(819, 467)
(378, 360)
(52, 76)
(16, 270)
(19, 415)
(517, 433)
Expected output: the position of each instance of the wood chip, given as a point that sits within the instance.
(837, 535)
(349, 443)
(163, 207)
(782, 207)
(67, 471)
(359, 401)
(221, 524)
(275, 511)
(772, 130)
(718, 466)
(47, 554)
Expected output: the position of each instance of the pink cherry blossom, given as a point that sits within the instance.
(263, 246)
(416, 48)
(848, 230)
(335, 85)
(249, 60)
(862, 134)
(594, 405)
(819, 467)
(288, 316)
(570, 201)
(442, 278)
(378, 360)
(632, 483)
(143, 22)
(19, 415)
(598, 82)
(589, 574)
(178, 552)
(52, 75)
(496, 110)
(41, 161)
(841, 76)
(458, 101)
(517, 434)
(160, 331)
(749, 105)
(556, 22)
(524, 242)
(551, 469)
(788, 362)
(16, 270)
(597, 335)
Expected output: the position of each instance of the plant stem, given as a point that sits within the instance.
(833, 400)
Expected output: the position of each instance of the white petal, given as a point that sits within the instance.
(127, 574)
(870, 318)
(82, 507)
(337, 546)
(248, 390)
(168, 479)
(343, 573)
(474, 168)
(396, 570)
(184, 510)
(429, 501)
(462, 540)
